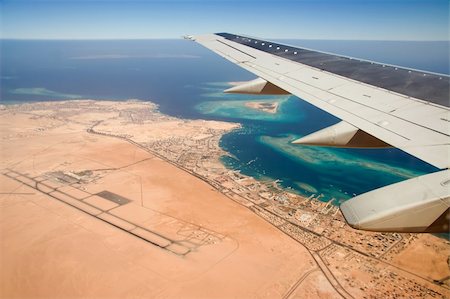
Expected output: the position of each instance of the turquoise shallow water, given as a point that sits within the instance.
(238, 110)
(174, 74)
(233, 106)
(263, 148)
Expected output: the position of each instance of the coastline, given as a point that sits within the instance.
(193, 146)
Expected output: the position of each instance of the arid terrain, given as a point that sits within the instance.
(102, 199)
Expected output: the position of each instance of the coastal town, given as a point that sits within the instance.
(317, 225)
(357, 264)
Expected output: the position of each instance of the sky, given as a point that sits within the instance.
(299, 19)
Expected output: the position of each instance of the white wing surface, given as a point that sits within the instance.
(380, 105)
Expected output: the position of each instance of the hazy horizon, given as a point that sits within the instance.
(268, 38)
(416, 20)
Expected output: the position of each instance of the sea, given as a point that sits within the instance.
(187, 80)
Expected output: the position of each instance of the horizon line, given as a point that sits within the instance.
(181, 37)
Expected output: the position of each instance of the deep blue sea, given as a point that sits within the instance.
(187, 80)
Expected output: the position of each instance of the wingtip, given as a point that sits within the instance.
(189, 37)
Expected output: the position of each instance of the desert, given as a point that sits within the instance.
(115, 199)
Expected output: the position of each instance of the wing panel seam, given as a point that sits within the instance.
(236, 49)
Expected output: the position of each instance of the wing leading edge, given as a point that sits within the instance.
(380, 105)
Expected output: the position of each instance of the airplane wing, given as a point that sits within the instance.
(380, 105)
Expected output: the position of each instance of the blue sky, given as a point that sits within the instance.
(304, 19)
